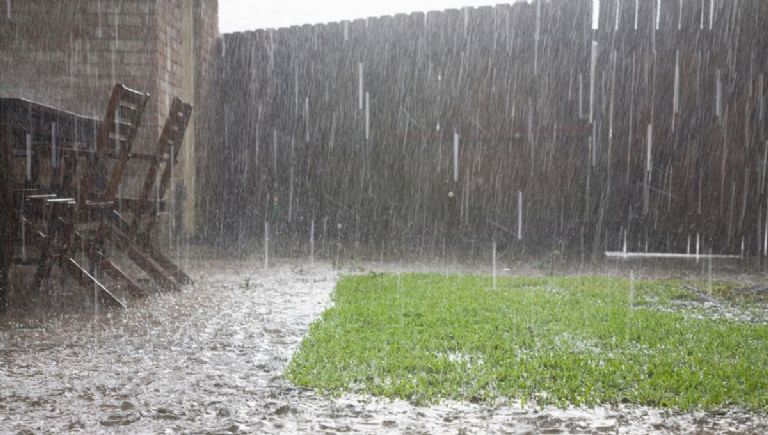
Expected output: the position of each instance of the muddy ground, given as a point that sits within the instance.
(210, 359)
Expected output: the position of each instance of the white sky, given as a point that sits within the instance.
(239, 15)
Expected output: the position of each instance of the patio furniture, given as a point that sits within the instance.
(73, 219)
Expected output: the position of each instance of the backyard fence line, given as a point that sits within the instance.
(466, 112)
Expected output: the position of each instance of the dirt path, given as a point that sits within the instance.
(209, 360)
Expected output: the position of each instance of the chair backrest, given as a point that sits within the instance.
(168, 147)
(118, 130)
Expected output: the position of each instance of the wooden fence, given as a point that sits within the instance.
(545, 126)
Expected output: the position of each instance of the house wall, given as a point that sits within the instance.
(69, 54)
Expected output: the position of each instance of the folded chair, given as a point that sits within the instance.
(59, 238)
(168, 145)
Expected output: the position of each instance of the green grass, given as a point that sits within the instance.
(570, 340)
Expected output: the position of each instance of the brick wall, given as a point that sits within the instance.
(69, 54)
(206, 40)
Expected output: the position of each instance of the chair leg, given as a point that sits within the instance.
(46, 247)
(87, 280)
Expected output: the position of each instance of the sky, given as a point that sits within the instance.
(240, 15)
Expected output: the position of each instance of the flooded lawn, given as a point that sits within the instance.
(211, 359)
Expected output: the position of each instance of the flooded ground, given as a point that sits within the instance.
(210, 359)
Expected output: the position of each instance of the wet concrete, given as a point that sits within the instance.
(210, 359)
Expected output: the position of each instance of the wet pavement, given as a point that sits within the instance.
(210, 360)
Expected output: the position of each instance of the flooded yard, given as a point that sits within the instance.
(210, 360)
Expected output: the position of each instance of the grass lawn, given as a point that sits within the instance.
(558, 340)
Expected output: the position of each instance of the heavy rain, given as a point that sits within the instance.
(543, 216)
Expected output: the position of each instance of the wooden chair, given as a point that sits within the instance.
(168, 145)
(79, 218)
(60, 238)
(133, 235)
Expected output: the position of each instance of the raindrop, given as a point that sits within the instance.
(765, 231)
(258, 141)
(306, 119)
(519, 215)
(650, 144)
(402, 302)
(266, 244)
(611, 111)
(466, 20)
(290, 183)
(709, 272)
(271, 49)
(29, 156)
(637, 11)
(676, 95)
(172, 222)
(581, 96)
(23, 240)
(536, 38)
(742, 247)
(312, 244)
(624, 243)
(54, 134)
(698, 246)
(531, 138)
(493, 262)
(718, 94)
(333, 131)
(761, 103)
(648, 166)
(360, 85)
(592, 68)
(596, 14)
(95, 299)
(274, 153)
(455, 156)
(367, 115)
(593, 144)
